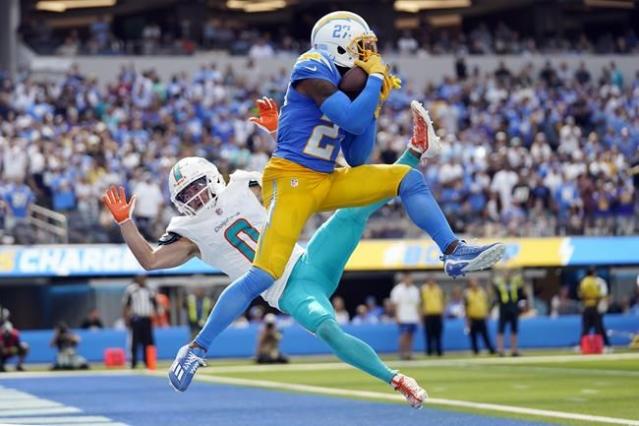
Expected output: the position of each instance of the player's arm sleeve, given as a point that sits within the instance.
(363, 213)
(354, 117)
(357, 148)
(168, 238)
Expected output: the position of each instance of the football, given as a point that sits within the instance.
(353, 82)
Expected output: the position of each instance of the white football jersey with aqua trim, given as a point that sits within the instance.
(227, 235)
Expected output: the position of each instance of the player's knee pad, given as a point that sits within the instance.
(413, 182)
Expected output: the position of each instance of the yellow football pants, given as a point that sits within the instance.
(293, 193)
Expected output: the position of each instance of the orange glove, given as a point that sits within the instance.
(268, 114)
(115, 200)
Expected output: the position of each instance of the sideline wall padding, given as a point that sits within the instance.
(562, 332)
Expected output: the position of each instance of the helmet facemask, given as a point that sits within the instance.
(196, 196)
(363, 47)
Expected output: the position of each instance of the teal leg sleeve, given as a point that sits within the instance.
(354, 351)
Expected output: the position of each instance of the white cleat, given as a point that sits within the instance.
(411, 390)
(424, 139)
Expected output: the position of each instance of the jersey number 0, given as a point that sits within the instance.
(236, 234)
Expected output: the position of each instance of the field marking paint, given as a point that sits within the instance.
(41, 411)
(544, 359)
(100, 420)
(26, 403)
(461, 362)
(430, 401)
(23, 408)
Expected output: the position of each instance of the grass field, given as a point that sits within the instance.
(602, 386)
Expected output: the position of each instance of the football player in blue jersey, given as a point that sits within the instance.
(318, 120)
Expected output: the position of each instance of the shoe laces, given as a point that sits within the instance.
(192, 362)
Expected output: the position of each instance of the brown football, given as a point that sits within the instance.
(353, 82)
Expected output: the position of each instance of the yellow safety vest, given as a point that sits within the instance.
(504, 296)
(589, 291)
(476, 304)
(432, 300)
(191, 303)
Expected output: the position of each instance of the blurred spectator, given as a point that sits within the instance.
(198, 306)
(149, 200)
(521, 158)
(510, 297)
(374, 310)
(66, 342)
(18, 198)
(11, 346)
(433, 312)
(92, 321)
(221, 32)
(476, 302)
(363, 316)
(256, 314)
(455, 308)
(407, 45)
(562, 304)
(261, 50)
(268, 343)
(341, 314)
(163, 306)
(388, 314)
(139, 307)
(591, 294)
(405, 298)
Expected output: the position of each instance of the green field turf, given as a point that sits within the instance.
(600, 387)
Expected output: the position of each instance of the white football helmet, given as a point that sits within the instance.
(345, 36)
(189, 179)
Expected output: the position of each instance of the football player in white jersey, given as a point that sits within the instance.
(221, 224)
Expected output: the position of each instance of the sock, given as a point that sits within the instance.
(423, 209)
(233, 301)
(353, 351)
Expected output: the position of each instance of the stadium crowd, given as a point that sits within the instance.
(529, 152)
(181, 38)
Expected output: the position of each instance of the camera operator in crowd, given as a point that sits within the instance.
(268, 343)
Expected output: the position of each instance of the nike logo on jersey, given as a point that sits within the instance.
(313, 69)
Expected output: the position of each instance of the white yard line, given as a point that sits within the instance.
(433, 401)
(96, 420)
(22, 408)
(544, 359)
(427, 363)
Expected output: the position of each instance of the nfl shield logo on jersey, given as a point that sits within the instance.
(294, 182)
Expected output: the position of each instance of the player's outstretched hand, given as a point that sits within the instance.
(268, 114)
(372, 65)
(115, 200)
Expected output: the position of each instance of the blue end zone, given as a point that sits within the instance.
(142, 401)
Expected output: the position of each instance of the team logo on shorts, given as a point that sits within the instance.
(219, 211)
(294, 182)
